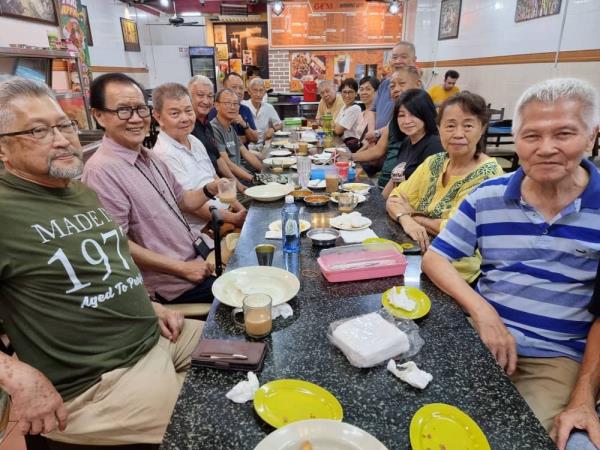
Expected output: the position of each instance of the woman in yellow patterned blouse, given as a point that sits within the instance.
(423, 203)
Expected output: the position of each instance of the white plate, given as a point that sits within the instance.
(361, 198)
(280, 153)
(323, 434)
(231, 287)
(309, 140)
(280, 143)
(334, 149)
(335, 224)
(357, 188)
(285, 161)
(290, 146)
(321, 158)
(268, 192)
(317, 184)
(276, 226)
(282, 133)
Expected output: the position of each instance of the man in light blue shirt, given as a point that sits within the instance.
(403, 54)
(538, 235)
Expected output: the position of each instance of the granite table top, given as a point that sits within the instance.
(464, 372)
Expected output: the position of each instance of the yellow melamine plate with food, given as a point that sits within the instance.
(281, 402)
(442, 426)
(416, 295)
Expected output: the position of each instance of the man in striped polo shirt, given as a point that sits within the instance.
(538, 231)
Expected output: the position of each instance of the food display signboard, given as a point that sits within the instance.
(340, 24)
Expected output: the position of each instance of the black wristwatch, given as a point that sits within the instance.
(207, 192)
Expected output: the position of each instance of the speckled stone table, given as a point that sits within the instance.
(464, 372)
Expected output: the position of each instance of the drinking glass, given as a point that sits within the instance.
(303, 164)
(258, 321)
(227, 190)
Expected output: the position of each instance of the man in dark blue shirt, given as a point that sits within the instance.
(244, 124)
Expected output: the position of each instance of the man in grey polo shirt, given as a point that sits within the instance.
(227, 105)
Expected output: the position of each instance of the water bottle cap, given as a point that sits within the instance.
(289, 199)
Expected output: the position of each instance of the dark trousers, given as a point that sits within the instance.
(201, 293)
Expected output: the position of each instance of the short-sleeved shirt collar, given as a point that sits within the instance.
(131, 156)
(590, 197)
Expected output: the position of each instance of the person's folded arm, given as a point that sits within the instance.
(580, 412)
(192, 200)
(36, 405)
(193, 271)
(437, 266)
(338, 129)
(373, 152)
(431, 225)
(251, 158)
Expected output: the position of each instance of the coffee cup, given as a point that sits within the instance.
(264, 254)
(258, 321)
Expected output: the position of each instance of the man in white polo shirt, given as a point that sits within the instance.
(265, 117)
(184, 154)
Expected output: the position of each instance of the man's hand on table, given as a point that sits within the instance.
(269, 133)
(195, 271)
(170, 322)
(238, 218)
(496, 337)
(582, 416)
(36, 404)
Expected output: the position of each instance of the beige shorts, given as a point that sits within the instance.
(134, 404)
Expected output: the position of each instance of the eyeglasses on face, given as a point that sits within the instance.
(230, 104)
(44, 132)
(126, 112)
(350, 92)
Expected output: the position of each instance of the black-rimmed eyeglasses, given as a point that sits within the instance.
(126, 112)
(43, 131)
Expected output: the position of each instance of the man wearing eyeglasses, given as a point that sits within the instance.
(228, 142)
(73, 302)
(142, 194)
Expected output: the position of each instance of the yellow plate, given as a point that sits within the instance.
(416, 295)
(383, 241)
(280, 402)
(438, 425)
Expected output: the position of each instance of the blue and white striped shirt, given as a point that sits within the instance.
(538, 275)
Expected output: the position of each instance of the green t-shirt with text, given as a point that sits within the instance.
(72, 300)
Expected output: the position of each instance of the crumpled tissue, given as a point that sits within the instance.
(244, 390)
(411, 374)
(284, 310)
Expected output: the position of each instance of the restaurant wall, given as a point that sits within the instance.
(17, 31)
(488, 30)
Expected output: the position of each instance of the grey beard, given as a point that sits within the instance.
(66, 172)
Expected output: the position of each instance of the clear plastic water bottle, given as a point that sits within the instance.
(290, 226)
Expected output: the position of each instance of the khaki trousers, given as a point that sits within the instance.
(133, 404)
(545, 384)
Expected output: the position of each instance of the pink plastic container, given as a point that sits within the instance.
(361, 262)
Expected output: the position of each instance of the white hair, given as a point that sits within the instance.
(12, 88)
(326, 84)
(200, 79)
(256, 81)
(557, 89)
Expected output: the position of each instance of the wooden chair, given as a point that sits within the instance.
(501, 145)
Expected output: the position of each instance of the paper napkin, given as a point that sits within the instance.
(410, 373)
(284, 310)
(270, 234)
(353, 237)
(244, 390)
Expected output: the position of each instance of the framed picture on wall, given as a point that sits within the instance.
(34, 10)
(220, 34)
(131, 38)
(222, 51)
(534, 9)
(449, 19)
(87, 29)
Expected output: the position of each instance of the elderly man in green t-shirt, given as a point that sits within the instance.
(73, 303)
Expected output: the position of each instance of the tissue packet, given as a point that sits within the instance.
(370, 339)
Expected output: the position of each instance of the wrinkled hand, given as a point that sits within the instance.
(213, 186)
(370, 137)
(239, 120)
(269, 133)
(582, 417)
(239, 218)
(170, 322)
(196, 271)
(496, 337)
(36, 404)
(415, 231)
(241, 187)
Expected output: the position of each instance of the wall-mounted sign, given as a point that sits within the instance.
(334, 23)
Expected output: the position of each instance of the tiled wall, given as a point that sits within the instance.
(279, 70)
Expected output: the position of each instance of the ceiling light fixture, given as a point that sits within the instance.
(394, 7)
(277, 7)
(164, 3)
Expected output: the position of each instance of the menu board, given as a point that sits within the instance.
(314, 23)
